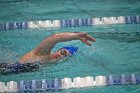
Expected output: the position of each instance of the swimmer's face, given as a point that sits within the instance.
(61, 53)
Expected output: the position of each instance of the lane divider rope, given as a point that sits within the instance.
(67, 83)
(70, 23)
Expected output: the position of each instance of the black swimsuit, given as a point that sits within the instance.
(17, 67)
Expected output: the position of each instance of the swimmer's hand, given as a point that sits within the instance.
(84, 37)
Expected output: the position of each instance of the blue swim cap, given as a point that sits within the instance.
(71, 49)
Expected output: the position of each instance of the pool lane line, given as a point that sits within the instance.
(67, 83)
(64, 23)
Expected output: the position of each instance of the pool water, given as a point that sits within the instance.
(116, 50)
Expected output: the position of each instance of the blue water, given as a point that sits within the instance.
(116, 50)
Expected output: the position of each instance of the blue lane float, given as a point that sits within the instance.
(12, 26)
(76, 22)
(70, 23)
(67, 83)
(132, 19)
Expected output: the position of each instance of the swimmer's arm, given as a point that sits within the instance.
(45, 47)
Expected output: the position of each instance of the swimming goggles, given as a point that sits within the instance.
(63, 52)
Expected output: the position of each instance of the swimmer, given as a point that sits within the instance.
(42, 53)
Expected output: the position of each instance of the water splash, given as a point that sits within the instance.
(7, 56)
